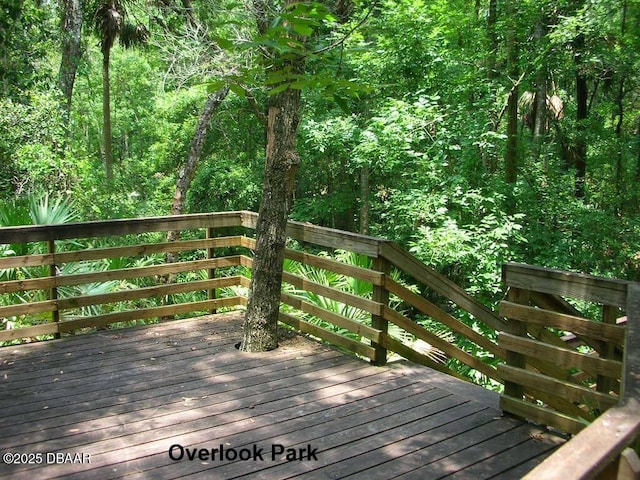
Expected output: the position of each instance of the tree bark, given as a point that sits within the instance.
(261, 318)
(190, 166)
(582, 112)
(106, 116)
(364, 200)
(188, 169)
(492, 20)
(540, 109)
(71, 50)
(511, 158)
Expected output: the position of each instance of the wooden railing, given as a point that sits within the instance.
(56, 288)
(562, 368)
(603, 449)
(49, 289)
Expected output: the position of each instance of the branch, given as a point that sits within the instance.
(262, 118)
(337, 43)
(504, 108)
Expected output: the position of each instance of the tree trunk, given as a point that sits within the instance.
(261, 318)
(364, 200)
(189, 168)
(582, 112)
(511, 158)
(540, 109)
(492, 20)
(71, 50)
(106, 116)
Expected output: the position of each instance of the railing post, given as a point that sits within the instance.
(53, 291)
(514, 359)
(380, 295)
(211, 293)
(609, 316)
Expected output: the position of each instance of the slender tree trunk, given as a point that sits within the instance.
(283, 117)
(71, 50)
(261, 318)
(492, 20)
(190, 166)
(364, 200)
(511, 158)
(582, 113)
(540, 124)
(106, 116)
(188, 169)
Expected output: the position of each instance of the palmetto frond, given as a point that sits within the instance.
(109, 19)
(133, 35)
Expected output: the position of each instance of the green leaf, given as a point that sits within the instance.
(238, 90)
(215, 85)
(224, 43)
(302, 28)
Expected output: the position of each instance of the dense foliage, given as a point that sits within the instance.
(404, 128)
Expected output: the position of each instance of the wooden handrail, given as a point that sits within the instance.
(609, 291)
(440, 284)
(119, 227)
(600, 445)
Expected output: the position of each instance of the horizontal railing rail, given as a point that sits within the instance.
(56, 311)
(603, 449)
(565, 384)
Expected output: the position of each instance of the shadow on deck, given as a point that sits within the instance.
(125, 397)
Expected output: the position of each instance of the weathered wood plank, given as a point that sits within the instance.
(125, 316)
(142, 313)
(492, 465)
(566, 358)
(576, 285)
(332, 238)
(541, 415)
(559, 388)
(355, 413)
(118, 227)
(331, 337)
(126, 399)
(120, 274)
(577, 325)
(332, 293)
(119, 296)
(440, 284)
(114, 252)
(360, 273)
(428, 308)
(406, 447)
(595, 447)
(448, 348)
(25, 332)
(331, 317)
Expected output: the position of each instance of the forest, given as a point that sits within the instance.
(473, 133)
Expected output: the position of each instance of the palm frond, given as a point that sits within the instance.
(44, 212)
(108, 19)
(133, 35)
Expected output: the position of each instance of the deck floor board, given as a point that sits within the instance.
(124, 397)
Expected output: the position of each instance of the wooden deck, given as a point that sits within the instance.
(125, 397)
